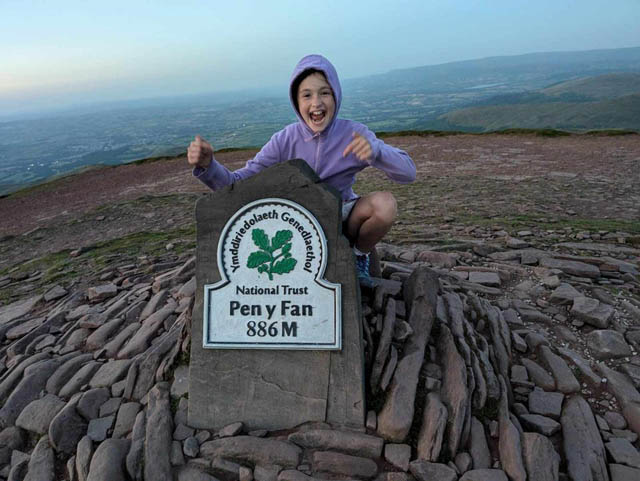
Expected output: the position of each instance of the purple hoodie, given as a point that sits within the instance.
(321, 150)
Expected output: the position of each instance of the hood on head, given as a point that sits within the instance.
(316, 62)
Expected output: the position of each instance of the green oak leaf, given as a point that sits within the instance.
(283, 266)
(286, 249)
(280, 239)
(263, 268)
(260, 239)
(257, 258)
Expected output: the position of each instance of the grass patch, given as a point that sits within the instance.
(150, 160)
(140, 244)
(611, 132)
(536, 132)
(514, 131)
(235, 149)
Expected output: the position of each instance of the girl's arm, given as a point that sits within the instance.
(392, 161)
(217, 175)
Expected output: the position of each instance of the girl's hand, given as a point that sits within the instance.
(200, 153)
(360, 147)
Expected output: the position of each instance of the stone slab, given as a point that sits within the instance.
(275, 389)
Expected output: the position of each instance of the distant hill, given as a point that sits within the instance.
(610, 101)
(510, 73)
(608, 86)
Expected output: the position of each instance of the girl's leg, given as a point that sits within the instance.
(370, 219)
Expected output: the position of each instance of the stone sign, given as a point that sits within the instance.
(276, 329)
(272, 255)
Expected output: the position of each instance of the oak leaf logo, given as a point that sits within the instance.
(265, 259)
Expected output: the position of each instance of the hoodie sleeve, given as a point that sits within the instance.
(392, 161)
(217, 175)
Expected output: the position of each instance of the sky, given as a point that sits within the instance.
(61, 53)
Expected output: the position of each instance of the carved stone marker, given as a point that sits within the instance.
(274, 342)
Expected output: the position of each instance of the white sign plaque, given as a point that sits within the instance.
(272, 255)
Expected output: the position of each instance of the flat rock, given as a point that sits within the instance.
(623, 473)
(101, 335)
(398, 455)
(432, 429)
(159, 429)
(154, 304)
(84, 454)
(135, 456)
(574, 268)
(41, 464)
(125, 419)
(191, 447)
(67, 428)
(454, 392)
(37, 415)
(295, 475)
(478, 447)
(546, 403)
(566, 382)
(426, 471)
(18, 309)
(607, 344)
(140, 341)
(623, 452)
(584, 367)
(541, 460)
(540, 424)
(485, 475)
(384, 344)
(107, 463)
(98, 429)
(90, 402)
(189, 473)
(491, 279)
(180, 384)
(24, 328)
(66, 371)
(509, 444)
(583, 448)
(28, 390)
(592, 311)
(538, 375)
(564, 294)
(80, 378)
(349, 442)
(437, 259)
(56, 292)
(13, 438)
(100, 293)
(344, 464)
(615, 420)
(253, 450)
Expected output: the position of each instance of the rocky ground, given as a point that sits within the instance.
(501, 342)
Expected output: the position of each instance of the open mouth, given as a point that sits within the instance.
(317, 116)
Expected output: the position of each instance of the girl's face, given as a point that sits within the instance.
(315, 102)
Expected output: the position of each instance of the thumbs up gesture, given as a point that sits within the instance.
(360, 147)
(200, 153)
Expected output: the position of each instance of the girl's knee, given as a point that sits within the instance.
(385, 206)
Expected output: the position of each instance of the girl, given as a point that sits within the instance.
(336, 149)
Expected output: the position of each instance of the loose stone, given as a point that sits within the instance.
(344, 464)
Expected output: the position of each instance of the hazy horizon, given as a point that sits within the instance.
(67, 54)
